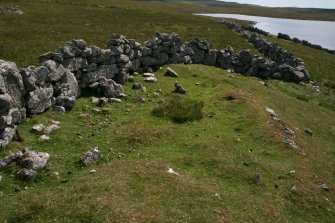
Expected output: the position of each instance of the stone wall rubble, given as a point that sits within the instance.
(285, 61)
(75, 67)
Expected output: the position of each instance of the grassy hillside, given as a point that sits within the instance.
(213, 6)
(217, 157)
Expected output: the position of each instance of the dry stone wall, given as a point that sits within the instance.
(75, 67)
(285, 61)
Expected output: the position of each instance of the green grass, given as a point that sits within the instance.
(218, 154)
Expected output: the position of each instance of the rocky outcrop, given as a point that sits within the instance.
(75, 67)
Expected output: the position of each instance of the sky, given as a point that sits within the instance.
(290, 3)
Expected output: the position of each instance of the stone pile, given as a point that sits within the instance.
(29, 160)
(75, 67)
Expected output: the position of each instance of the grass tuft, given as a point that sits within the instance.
(180, 109)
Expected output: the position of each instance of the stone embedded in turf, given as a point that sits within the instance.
(34, 160)
(91, 156)
(10, 158)
(27, 175)
(170, 72)
(179, 89)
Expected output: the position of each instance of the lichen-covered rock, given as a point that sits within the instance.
(40, 100)
(110, 88)
(74, 64)
(12, 157)
(67, 90)
(34, 160)
(56, 70)
(11, 84)
(26, 175)
(91, 156)
(51, 128)
(38, 128)
(107, 71)
(6, 135)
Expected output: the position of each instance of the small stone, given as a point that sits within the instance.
(54, 122)
(0, 178)
(258, 178)
(51, 128)
(150, 79)
(171, 171)
(289, 131)
(130, 78)
(137, 86)
(85, 116)
(171, 73)
(309, 132)
(271, 111)
(179, 89)
(10, 158)
(91, 156)
(155, 94)
(58, 109)
(103, 101)
(44, 138)
(56, 174)
(291, 143)
(17, 189)
(217, 195)
(38, 128)
(95, 100)
(197, 83)
(93, 171)
(291, 172)
(115, 100)
(26, 175)
(139, 99)
(148, 75)
(324, 187)
(122, 95)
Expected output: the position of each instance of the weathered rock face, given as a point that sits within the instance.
(11, 85)
(12, 104)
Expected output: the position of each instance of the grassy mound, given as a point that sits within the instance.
(179, 109)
